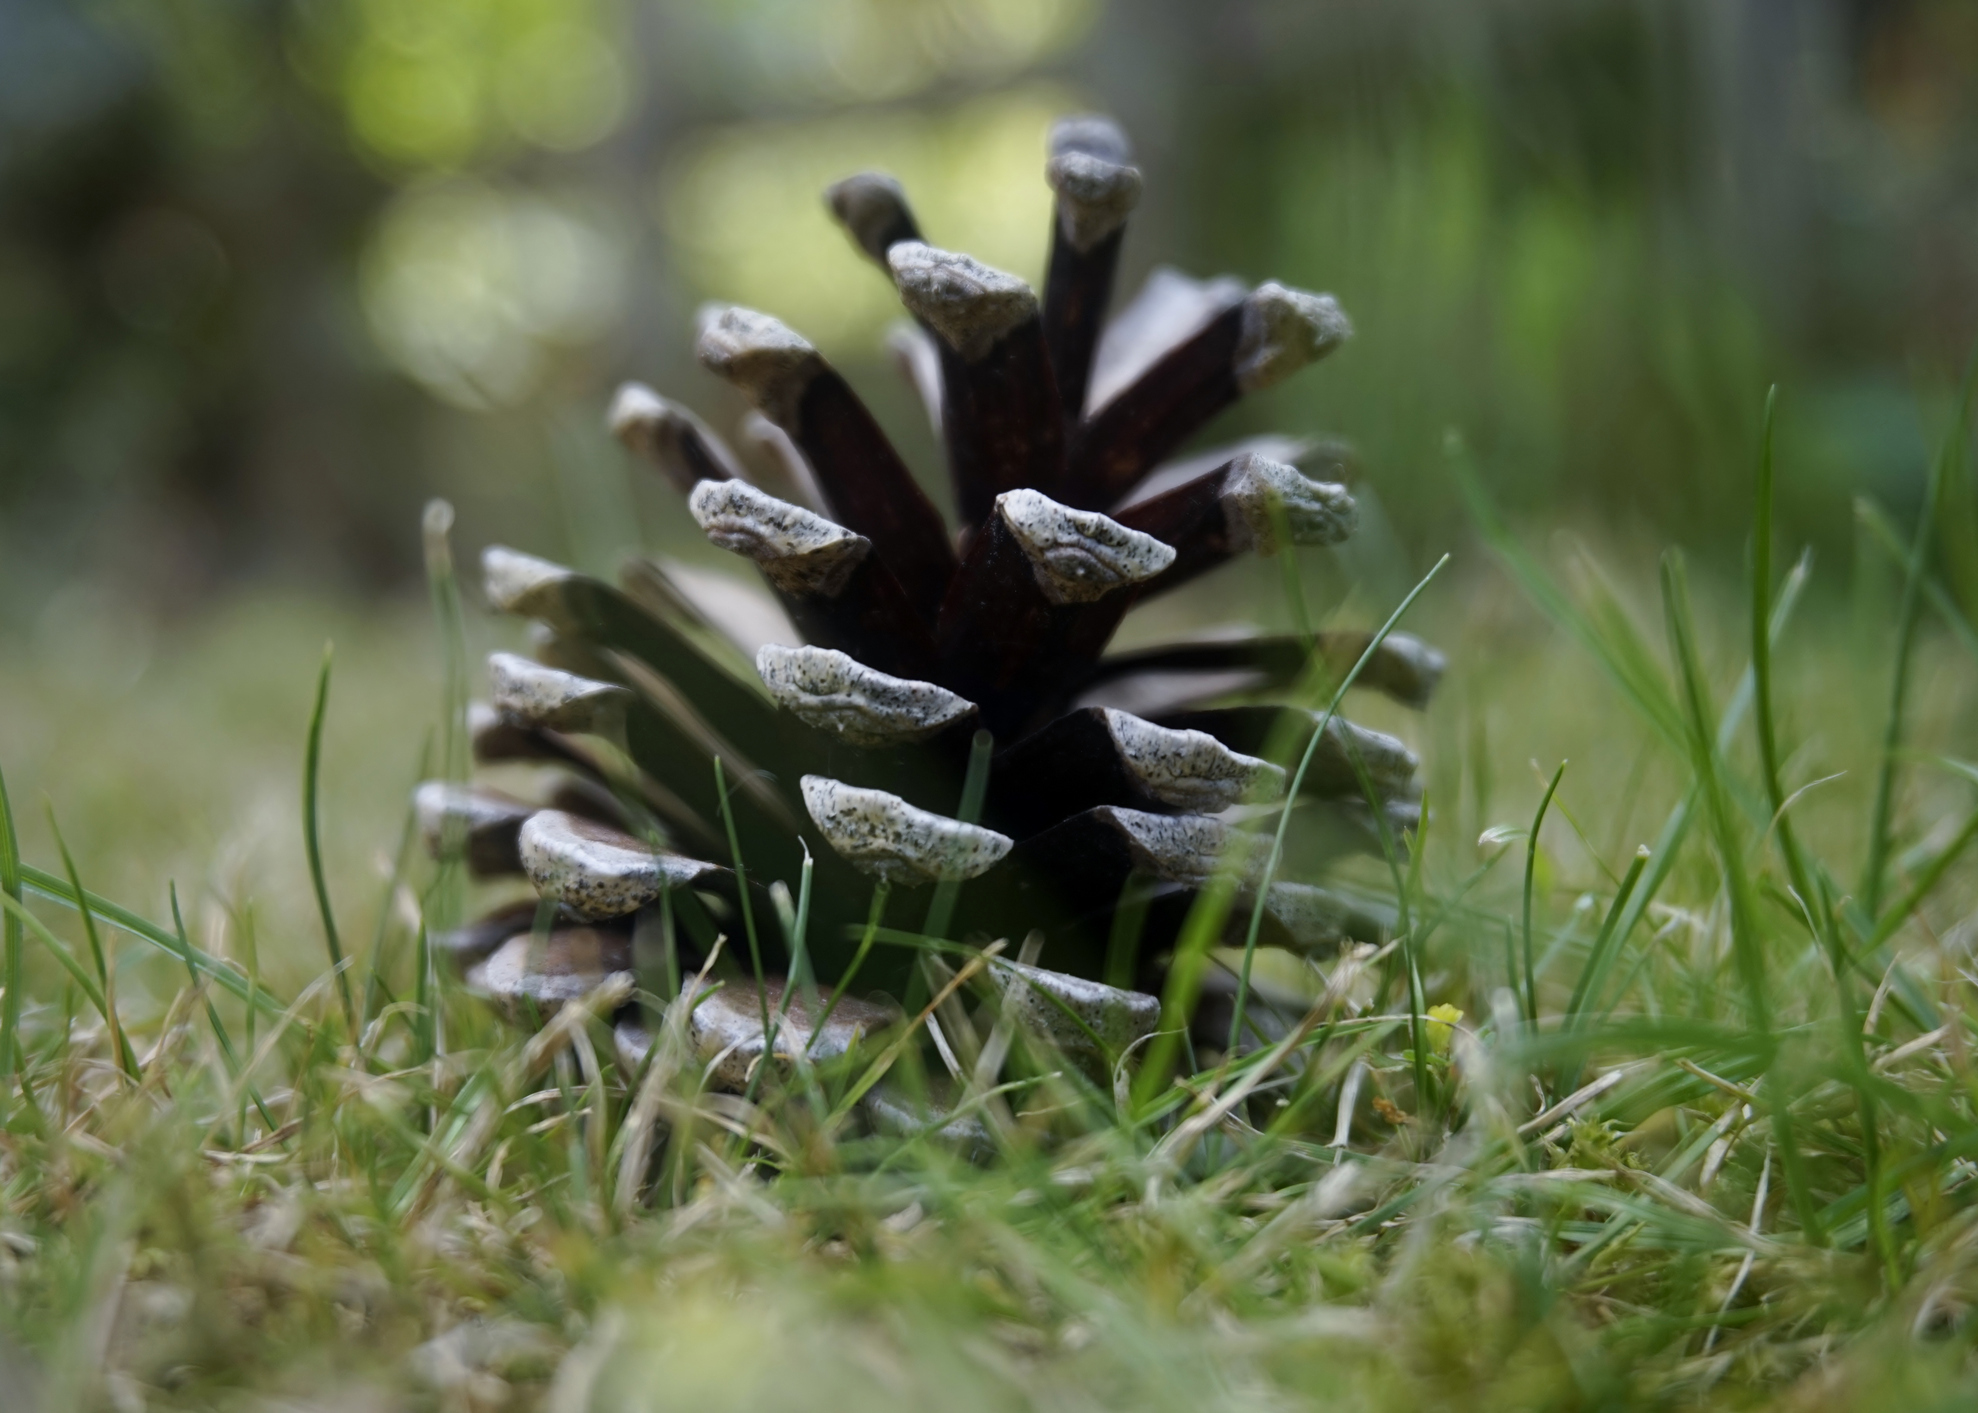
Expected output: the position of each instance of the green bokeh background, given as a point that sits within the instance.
(274, 271)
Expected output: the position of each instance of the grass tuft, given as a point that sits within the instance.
(1636, 1126)
(312, 765)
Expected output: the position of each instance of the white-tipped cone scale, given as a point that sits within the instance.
(798, 550)
(725, 1026)
(833, 692)
(1079, 1016)
(1079, 556)
(526, 693)
(887, 837)
(596, 871)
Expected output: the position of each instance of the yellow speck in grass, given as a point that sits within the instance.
(1442, 1024)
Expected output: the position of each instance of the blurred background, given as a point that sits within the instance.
(274, 272)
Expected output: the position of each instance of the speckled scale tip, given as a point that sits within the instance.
(526, 693)
(873, 208)
(834, 692)
(798, 550)
(668, 435)
(1316, 920)
(1089, 170)
(1387, 760)
(567, 965)
(1283, 330)
(764, 357)
(891, 839)
(1094, 134)
(1076, 1015)
(596, 871)
(1173, 848)
(478, 823)
(969, 304)
(725, 1024)
(520, 583)
(1079, 556)
(1315, 512)
(1424, 662)
(439, 804)
(1190, 770)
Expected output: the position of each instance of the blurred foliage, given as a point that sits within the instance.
(272, 271)
(446, 82)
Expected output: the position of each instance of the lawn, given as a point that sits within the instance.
(1599, 1125)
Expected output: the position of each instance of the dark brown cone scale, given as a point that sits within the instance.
(1096, 189)
(995, 631)
(1001, 415)
(870, 488)
(1146, 424)
(1002, 420)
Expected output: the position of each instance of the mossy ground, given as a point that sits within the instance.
(1713, 1227)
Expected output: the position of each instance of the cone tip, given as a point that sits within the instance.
(872, 207)
(883, 835)
(1283, 330)
(1079, 556)
(969, 304)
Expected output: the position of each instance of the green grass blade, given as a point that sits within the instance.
(1746, 942)
(1812, 894)
(1951, 458)
(220, 1033)
(1531, 869)
(1708, 766)
(11, 937)
(798, 977)
(1666, 849)
(1882, 530)
(1212, 905)
(1601, 957)
(742, 888)
(120, 1044)
(18, 914)
(375, 982)
(445, 897)
(1293, 580)
(443, 583)
(1606, 630)
(1411, 951)
(1922, 886)
(58, 890)
(880, 892)
(975, 787)
(800, 963)
(75, 882)
(312, 844)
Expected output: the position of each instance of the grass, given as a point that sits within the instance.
(1644, 1106)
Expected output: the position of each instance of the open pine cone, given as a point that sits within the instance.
(928, 647)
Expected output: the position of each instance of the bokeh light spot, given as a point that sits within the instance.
(561, 87)
(444, 83)
(876, 50)
(421, 110)
(467, 287)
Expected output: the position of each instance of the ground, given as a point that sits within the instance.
(286, 1220)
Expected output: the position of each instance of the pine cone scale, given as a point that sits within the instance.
(869, 489)
(1096, 189)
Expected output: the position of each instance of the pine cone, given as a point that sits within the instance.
(928, 648)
